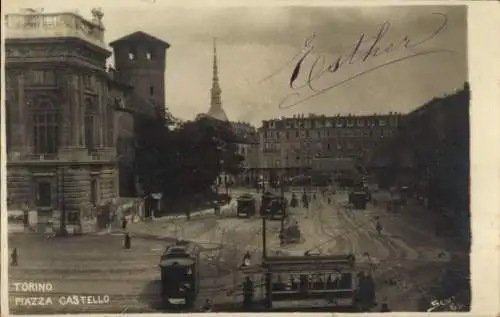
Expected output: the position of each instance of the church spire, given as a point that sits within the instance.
(216, 110)
(215, 76)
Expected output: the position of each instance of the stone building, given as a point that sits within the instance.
(249, 148)
(61, 119)
(290, 145)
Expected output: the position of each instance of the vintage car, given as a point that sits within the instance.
(246, 206)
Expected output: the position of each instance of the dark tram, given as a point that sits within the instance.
(180, 270)
(247, 206)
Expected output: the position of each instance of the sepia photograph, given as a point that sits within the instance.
(237, 159)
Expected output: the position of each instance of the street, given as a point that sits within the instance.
(98, 265)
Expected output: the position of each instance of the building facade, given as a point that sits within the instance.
(249, 149)
(61, 121)
(290, 145)
(60, 136)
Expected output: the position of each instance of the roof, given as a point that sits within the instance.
(139, 36)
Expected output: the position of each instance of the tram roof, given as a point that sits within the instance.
(292, 263)
(172, 262)
(181, 249)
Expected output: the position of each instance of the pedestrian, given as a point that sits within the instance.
(246, 260)
(282, 237)
(362, 291)
(379, 227)
(329, 201)
(208, 306)
(127, 242)
(14, 257)
(370, 290)
(248, 292)
(124, 223)
(385, 308)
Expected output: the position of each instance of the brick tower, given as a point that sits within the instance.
(140, 61)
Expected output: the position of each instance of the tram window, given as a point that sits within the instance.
(304, 282)
(332, 281)
(317, 282)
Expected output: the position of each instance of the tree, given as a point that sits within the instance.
(185, 160)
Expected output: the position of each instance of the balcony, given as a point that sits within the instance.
(34, 25)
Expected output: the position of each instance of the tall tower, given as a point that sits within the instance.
(140, 61)
(216, 110)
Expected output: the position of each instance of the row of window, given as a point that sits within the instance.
(326, 133)
(296, 160)
(132, 54)
(330, 123)
(309, 146)
(47, 121)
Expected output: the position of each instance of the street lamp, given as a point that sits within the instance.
(264, 237)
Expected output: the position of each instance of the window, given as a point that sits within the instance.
(287, 135)
(45, 127)
(297, 134)
(87, 81)
(44, 194)
(49, 21)
(132, 54)
(90, 124)
(151, 90)
(149, 55)
(93, 192)
(72, 217)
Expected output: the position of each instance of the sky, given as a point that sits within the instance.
(256, 42)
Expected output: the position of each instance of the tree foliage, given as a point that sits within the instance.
(186, 159)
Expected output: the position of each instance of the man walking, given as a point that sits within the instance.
(14, 257)
(127, 241)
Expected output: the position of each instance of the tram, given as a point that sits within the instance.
(180, 274)
(273, 206)
(306, 281)
(246, 206)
